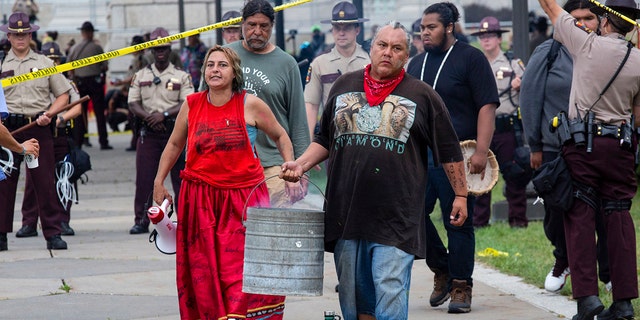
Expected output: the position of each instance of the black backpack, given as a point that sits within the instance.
(81, 162)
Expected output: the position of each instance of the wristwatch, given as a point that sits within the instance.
(166, 114)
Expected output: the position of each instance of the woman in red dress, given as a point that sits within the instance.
(218, 127)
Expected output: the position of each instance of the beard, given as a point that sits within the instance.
(439, 47)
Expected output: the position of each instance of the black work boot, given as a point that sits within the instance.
(66, 229)
(588, 307)
(56, 243)
(621, 309)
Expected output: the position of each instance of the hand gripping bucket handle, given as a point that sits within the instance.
(284, 250)
(246, 202)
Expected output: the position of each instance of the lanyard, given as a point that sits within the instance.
(424, 63)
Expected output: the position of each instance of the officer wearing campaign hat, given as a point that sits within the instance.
(346, 56)
(27, 102)
(628, 6)
(90, 81)
(344, 12)
(19, 23)
(87, 26)
(232, 32)
(508, 134)
(604, 95)
(51, 50)
(489, 25)
(155, 96)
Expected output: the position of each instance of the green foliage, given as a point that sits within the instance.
(529, 252)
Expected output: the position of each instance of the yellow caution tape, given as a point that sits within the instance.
(127, 50)
(616, 13)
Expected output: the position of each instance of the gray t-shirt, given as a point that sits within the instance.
(275, 78)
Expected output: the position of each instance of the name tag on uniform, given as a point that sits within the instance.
(173, 84)
(503, 73)
(329, 78)
(146, 83)
(8, 73)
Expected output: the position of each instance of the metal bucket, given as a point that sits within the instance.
(284, 251)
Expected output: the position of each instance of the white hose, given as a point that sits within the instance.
(7, 165)
(65, 189)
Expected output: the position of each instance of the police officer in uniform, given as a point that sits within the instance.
(28, 102)
(230, 33)
(90, 81)
(156, 94)
(599, 150)
(508, 134)
(346, 56)
(63, 138)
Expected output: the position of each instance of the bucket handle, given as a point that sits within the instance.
(244, 209)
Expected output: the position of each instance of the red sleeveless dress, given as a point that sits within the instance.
(220, 173)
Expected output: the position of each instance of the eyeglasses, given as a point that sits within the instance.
(488, 35)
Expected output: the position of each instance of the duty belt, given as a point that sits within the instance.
(607, 130)
(17, 120)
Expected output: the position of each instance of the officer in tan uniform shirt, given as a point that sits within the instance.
(90, 82)
(508, 134)
(27, 102)
(346, 56)
(156, 94)
(599, 150)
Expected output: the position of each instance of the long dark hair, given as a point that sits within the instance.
(254, 7)
(447, 11)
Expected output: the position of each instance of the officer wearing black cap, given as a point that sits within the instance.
(508, 134)
(346, 56)
(156, 94)
(232, 32)
(599, 151)
(90, 82)
(27, 102)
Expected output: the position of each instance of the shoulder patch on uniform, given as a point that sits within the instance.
(308, 75)
(582, 26)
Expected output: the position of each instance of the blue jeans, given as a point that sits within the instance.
(374, 279)
(459, 260)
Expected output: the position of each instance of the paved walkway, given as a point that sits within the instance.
(110, 274)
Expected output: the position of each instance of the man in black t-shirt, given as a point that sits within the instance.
(375, 131)
(463, 78)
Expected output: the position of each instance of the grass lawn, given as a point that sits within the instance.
(525, 253)
(529, 253)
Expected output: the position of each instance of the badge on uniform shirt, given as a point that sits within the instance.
(503, 72)
(173, 84)
(308, 75)
(34, 69)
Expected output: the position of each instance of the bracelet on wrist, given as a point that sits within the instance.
(461, 196)
(24, 151)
